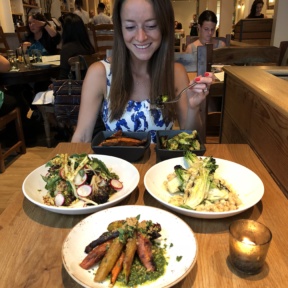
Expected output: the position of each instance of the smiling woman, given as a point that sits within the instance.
(143, 68)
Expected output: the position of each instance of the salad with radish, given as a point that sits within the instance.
(78, 180)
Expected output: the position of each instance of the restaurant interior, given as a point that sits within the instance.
(245, 132)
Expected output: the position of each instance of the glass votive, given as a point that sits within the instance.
(11, 56)
(248, 245)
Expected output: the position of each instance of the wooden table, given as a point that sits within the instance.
(31, 238)
(31, 74)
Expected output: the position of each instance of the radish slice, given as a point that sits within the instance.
(62, 173)
(84, 190)
(116, 184)
(79, 180)
(59, 199)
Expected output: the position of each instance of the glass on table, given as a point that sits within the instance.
(20, 55)
(11, 56)
(36, 56)
(249, 242)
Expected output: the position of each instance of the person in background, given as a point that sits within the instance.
(75, 41)
(91, 15)
(206, 28)
(41, 36)
(7, 102)
(177, 25)
(101, 18)
(143, 68)
(81, 12)
(194, 26)
(256, 9)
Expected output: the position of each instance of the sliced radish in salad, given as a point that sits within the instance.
(59, 199)
(84, 190)
(116, 184)
(79, 180)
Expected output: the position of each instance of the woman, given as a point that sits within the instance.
(256, 9)
(81, 12)
(75, 41)
(142, 67)
(206, 28)
(42, 36)
(7, 102)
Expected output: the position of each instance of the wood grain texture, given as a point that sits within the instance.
(256, 105)
(16, 171)
(31, 238)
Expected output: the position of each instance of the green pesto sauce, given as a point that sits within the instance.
(139, 275)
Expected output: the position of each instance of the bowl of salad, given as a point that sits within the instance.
(174, 143)
(80, 183)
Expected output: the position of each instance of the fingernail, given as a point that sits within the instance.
(197, 79)
(206, 74)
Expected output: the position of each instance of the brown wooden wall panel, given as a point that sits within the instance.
(250, 115)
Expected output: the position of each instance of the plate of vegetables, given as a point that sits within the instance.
(204, 187)
(122, 234)
(80, 183)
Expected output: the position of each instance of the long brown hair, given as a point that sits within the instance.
(160, 67)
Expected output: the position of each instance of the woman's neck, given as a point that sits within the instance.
(38, 35)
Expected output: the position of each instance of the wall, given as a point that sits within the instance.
(184, 13)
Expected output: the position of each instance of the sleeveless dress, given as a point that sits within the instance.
(138, 116)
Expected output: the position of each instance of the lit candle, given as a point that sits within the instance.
(248, 242)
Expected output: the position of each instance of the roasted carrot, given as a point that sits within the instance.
(109, 260)
(117, 268)
(131, 247)
(144, 250)
(95, 255)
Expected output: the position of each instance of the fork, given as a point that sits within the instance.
(159, 100)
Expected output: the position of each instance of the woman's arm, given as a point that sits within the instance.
(93, 90)
(4, 64)
(188, 107)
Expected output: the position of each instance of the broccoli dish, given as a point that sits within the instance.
(197, 188)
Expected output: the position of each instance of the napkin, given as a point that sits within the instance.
(43, 98)
(52, 59)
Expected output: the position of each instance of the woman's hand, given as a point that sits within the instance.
(198, 93)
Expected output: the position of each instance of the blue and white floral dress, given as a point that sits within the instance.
(137, 116)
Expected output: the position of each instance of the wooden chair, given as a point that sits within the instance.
(283, 55)
(21, 32)
(15, 116)
(79, 67)
(4, 46)
(191, 39)
(103, 35)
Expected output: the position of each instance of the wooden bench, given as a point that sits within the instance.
(256, 31)
(247, 56)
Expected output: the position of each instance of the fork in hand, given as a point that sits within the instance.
(163, 99)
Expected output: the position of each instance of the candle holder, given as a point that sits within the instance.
(248, 244)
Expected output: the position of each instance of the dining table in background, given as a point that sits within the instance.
(31, 238)
(29, 74)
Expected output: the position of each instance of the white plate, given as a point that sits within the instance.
(41, 65)
(93, 226)
(245, 183)
(33, 186)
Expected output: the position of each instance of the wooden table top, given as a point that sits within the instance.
(31, 238)
(31, 74)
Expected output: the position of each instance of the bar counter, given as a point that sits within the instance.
(31, 238)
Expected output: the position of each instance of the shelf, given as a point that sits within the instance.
(31, 6)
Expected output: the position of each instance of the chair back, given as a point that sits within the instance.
(3, 42)
(79, 64)
(21, 32)
(226, 39)
(103, 35)
(283, 55)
